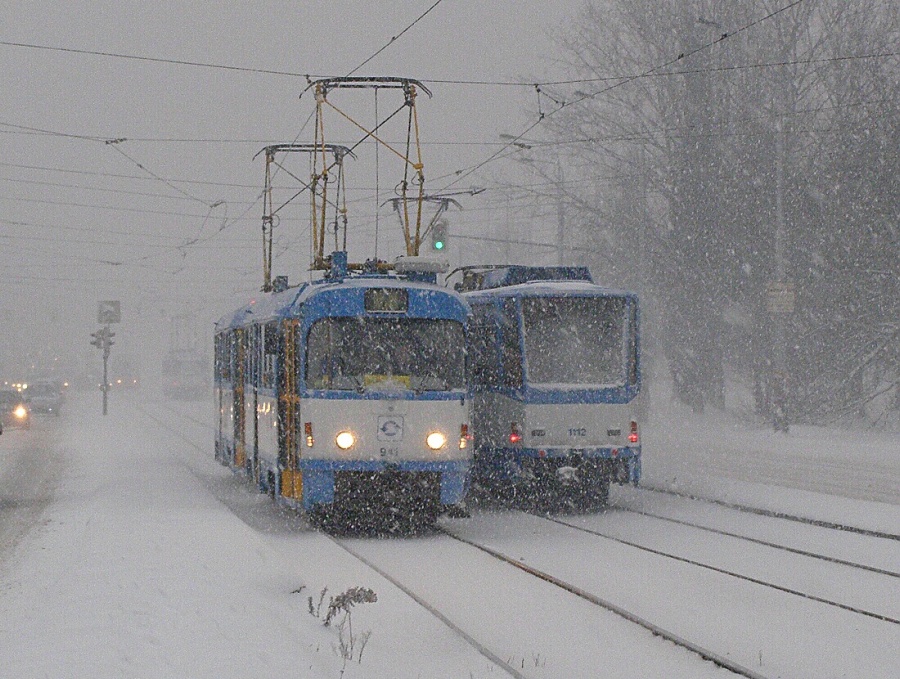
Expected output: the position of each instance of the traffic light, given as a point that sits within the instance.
(102, 339)
(439, 235)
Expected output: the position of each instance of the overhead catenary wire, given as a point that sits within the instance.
(465, 172)
(456, 174)
(396, 37)
(114, 144)
(436, 81)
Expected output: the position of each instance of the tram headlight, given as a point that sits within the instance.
(435, 440)
(345, 440)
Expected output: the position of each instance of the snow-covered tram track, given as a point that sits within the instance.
(767, 630)
(706, 654)
(468, 638)
(758, 541)
(724, 571)
(746, 624)
(518, 664)
(760, 511)
(404, 562)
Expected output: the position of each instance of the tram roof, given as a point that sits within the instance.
(551, 288)
(271, 306)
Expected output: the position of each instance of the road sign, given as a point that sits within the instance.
(109, 312)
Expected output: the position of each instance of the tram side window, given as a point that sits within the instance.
(222, 358)
(511, 345)
(234, 340)
(217, 353)
(246, 354)
(632, 344)
(228, 356)
(251, 374)
(269, 354)
(227, 342)
(483, 345)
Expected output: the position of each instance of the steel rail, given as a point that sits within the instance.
(655, 629)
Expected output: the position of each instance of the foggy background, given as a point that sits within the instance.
(735, 163)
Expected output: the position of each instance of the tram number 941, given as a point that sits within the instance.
(578, 432)
(389, 453)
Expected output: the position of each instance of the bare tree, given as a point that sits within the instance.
(761, 162)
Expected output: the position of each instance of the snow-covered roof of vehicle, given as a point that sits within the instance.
(485, 277)
(544, 288)
(270, 306)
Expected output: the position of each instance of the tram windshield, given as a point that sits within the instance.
(575, 342)
(386, 353)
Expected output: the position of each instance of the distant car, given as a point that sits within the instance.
(45, 397)
(14, 410)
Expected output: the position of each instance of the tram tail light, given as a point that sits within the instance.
(633, 436)
(515, 436)
(307, 429)
(463, 436)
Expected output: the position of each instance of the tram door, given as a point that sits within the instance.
(289, 413)
(239, 357)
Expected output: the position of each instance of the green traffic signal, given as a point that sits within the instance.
(439, 234)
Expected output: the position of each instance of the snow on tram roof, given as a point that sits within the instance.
(269, 306)
(551, 288)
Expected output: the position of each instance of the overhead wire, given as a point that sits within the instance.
(462, 174)
(114, 144)
(112, 175)
(160, 60)
(436, 81)
(395, 38)
(459, 174)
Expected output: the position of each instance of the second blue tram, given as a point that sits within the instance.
(556, 374)
(347, 396)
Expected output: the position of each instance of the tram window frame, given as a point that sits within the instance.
(633, 370)
(230, 351)
(217, 357)
(226, 356)
(269, 349)
(222, 358)
(251, 375)
(483, 332)
(511, 354)
(233, 356)
(248, 354)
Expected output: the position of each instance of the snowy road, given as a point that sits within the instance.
(125, 550)
(30, 462)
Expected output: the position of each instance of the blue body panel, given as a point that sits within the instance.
(340, 296)
(318, 477)
(506, 287)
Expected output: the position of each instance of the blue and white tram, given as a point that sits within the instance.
(556, 376)
(348, 395)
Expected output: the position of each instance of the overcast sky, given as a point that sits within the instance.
(82, 220)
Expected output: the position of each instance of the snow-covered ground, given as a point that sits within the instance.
(127, 551)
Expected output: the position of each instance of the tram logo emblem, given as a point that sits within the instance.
(390, 428)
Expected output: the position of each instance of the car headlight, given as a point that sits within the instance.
(345, 440)
(435, 440)
(20, 412)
